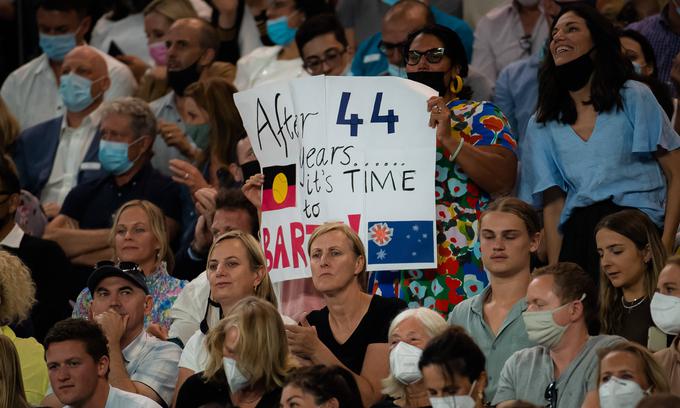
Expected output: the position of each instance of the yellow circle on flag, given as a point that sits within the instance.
(280, 188)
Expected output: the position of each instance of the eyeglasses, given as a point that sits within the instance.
(551, 395)
(124, 266)
(331, 57)
(386, 47)
(433, 56)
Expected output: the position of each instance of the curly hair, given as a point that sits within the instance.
(17, 290)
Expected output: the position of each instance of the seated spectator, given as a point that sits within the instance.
(665, 309)
(236, 27)
(54, 156)
(509, 232)
(453, 370)
(9, 129)
(31, 92)
(236, 269)
(409, 333)
(631, 256)
(48, 266)
(562, 368)
(17, 292)
(627, 373)
(338, 262)
(319, 385)
(248, 360)
(361, 19)
(82, 228)
(323, 46)
(281, 61)
(139, 362)
(506, 34)
(12, 394)
(633, 11)
(79, 364)
(192, 44)
(139, 236)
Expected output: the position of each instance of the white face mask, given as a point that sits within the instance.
(619, 393)
(542, 328)
(454, 401)
(235, 378)
(666, 313)
(404, 363)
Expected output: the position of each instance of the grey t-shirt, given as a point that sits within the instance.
(364, 16)
(527, 374)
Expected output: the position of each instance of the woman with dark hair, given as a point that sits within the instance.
(318, 385)
(597, 143)
(631, 257)
(476, 158)
(453, 370)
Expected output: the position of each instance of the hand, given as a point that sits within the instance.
(205, 203)
(202, 236)
(302, 340)
(174, 136)
(159, 73)
(136, 65)
(112, 324)
(157, 331)
(185, 173)
(440, 118)
(51, 210)
(252, 189)
(675, 71)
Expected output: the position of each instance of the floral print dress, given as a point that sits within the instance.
(459, 203)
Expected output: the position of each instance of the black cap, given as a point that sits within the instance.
(107, 269)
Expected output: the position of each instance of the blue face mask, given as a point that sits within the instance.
(76, 92)
(395, 71)
(390, 2)
(114, 156)
(279, 31)
(200, 134)
(57, 46)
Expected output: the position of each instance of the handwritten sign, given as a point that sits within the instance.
(356, 150)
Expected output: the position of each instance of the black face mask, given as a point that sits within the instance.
(575, 74)
(180, 80)
(434, 80)
(250, 168)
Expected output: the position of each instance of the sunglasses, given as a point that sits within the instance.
(433, 56)
(331, 57)
(123, 266)
(386, 47)
(551, 395)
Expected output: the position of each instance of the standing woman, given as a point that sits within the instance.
(476, 160)
(631, 257)
(597, 143)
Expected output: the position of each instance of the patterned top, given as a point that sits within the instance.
(459, 202)
(163, 288)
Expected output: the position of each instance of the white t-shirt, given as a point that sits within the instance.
(261, 67)
(123, 399)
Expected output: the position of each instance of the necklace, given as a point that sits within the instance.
(635, 303)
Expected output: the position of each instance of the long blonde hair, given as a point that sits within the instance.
(12, 393)
(262, 347)
(17, 290)
(156, 225)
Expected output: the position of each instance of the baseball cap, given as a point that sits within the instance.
(125, 270)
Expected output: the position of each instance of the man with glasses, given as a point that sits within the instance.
(323, 46)
(562, 368)
(127, 129)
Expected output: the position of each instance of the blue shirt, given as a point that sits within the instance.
(370, 61)
(616, 163)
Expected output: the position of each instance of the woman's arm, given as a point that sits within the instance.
(553, 203)
(182, 376)
(670, 163)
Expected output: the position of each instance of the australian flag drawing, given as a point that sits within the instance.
(400, 242)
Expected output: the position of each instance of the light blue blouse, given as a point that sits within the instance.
(616, 163)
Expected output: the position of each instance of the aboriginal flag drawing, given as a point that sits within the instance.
(278, 190)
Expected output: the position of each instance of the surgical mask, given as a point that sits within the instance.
(404, 363)
(180, 80)
(57, 46)
(279, 31)
(76, 92)
(576, 74)
(235, 378)
(200, 134)
(390, 2)
(542, 328)
(396, 71)
(114, 156)
(250, 168)
(528, 3)
(677, 7)
(666, 313)
(434, 80)
(159, 53)
(454, 401)
(620, 393)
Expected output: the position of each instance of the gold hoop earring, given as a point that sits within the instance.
(456, 84)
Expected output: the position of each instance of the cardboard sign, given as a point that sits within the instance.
(356, 150)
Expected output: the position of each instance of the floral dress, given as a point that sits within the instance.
(163, 288)
(459, 202)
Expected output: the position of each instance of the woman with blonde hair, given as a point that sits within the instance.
(351, 331)
(139, 235)
(409, 333)
(9, 129)
(248, 360)
(17, 297)
(12, 393)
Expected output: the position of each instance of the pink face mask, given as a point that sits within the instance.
(159, 53)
